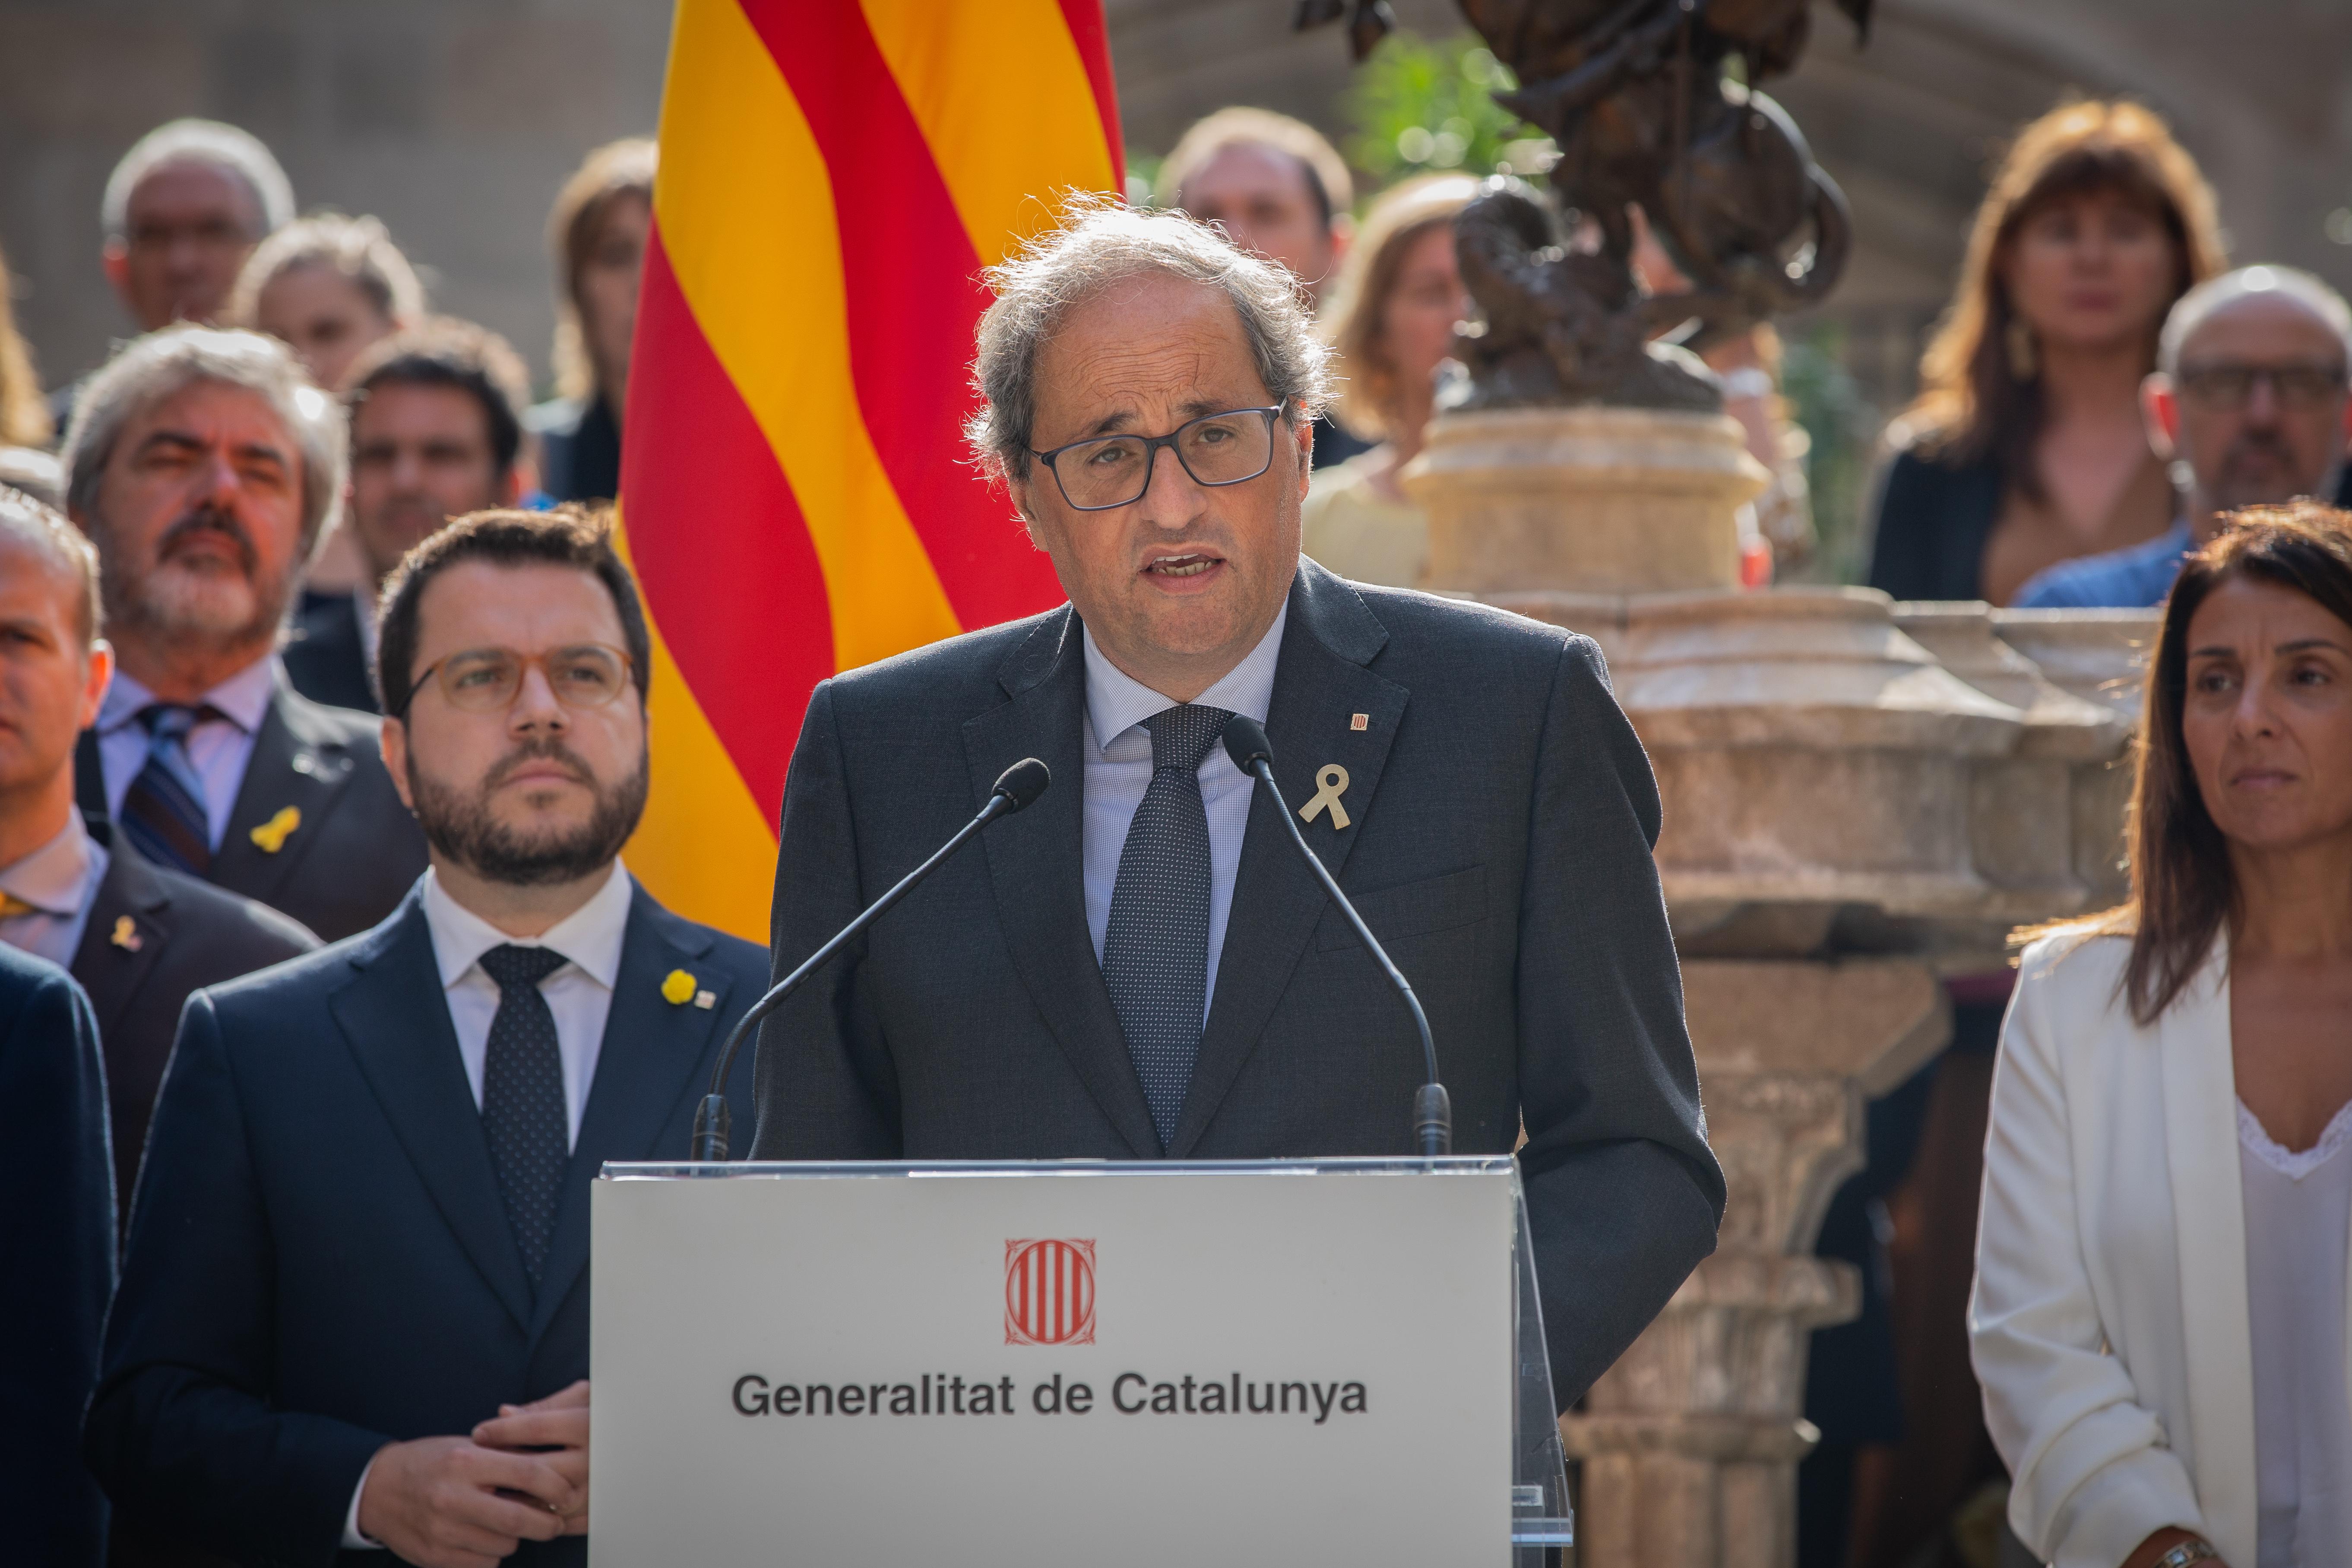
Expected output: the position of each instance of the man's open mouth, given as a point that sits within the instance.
(1190, 565)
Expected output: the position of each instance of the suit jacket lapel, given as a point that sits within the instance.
(291, 765)
(396, 1021)
(112, 971)
(2201, 1116)
(655, 1054)
(1321, 683)
(1036, 865)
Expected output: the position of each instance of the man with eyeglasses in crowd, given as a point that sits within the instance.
(183, 209)
(354, 1307)
(2249, 396)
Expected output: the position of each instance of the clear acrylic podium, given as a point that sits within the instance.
(1040, 1363)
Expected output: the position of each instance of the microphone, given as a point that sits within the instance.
(1433, 1110)
(1018, 787)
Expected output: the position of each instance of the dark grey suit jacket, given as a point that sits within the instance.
(1501, 818)
(182, 934)
(325, 656)
(356, 851)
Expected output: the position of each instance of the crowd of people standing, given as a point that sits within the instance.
(255, 680)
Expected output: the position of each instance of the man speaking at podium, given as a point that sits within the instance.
(1140, 966)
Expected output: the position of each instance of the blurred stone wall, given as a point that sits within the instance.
(455, 120)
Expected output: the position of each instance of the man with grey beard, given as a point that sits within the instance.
(354, 1307)
(2250, 398)
(203, 464)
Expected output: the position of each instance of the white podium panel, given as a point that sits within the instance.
(1152, 1364)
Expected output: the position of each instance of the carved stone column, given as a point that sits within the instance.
(1841, 776)
(1690, 1443)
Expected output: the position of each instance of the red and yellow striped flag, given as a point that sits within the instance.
(795, 494)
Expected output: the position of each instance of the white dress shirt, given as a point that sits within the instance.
(2298, 1214)
(579, 995)
(1117, 753)
(218, 749)
(60, 880)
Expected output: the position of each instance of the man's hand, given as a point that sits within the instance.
(451, 1503)
(553, 1430)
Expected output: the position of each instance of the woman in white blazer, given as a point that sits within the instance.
(2160, 1317)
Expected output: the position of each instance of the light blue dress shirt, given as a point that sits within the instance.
(60, 880)
(218, 749)
(2131, 578)
(1119, 770)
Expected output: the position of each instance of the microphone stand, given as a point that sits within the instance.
(1021, 782)
(1433, 1109)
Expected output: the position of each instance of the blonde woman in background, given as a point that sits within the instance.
(1390, 327)
(328, 287)
(24, 415)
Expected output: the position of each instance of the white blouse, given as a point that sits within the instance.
(2298, 1213)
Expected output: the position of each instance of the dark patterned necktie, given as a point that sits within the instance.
(523, 1111)
(1156, 948)
(163, 812)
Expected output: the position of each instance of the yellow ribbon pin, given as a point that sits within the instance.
(677, 988)
(1330, 784)
(271, 835)
(126, 934)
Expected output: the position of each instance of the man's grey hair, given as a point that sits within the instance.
(238, 153)
(29, 521)
(1099, 243)
(2215, 295)
(153, 368)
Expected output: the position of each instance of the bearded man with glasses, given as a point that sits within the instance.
(2250, 399)
(1140, 966)
(354, 1310)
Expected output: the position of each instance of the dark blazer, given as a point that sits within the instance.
(579, 447)
(326, 658)
(356, 850)
(320, 1262)
(57, 1260)
(1501, 818)
(182, 934)
(1933, 520)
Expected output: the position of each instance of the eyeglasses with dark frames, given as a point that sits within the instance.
(2228, 385)
(1107, 471)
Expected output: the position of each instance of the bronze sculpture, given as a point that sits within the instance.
(1639, 98)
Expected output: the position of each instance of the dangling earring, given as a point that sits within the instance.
(2019, 341)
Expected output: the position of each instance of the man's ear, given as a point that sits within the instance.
(521, 479)
(94, 684)
(1304, 433)
(2160, 408)
(114, 257)
(392, 739)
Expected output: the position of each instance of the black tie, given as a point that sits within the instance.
(523, 1111)
(1156, 946)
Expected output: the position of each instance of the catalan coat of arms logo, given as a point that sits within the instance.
(1049, 1292)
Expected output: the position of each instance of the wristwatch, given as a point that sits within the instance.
(2193, 1550)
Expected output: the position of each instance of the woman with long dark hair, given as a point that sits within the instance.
(2160, 1314)
(2026, 447)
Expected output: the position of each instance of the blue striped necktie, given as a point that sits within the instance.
(163, 813)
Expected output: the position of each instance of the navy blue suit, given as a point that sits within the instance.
(56, 1259)
(320, 1262)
